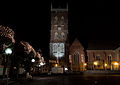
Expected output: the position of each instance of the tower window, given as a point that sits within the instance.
(56, 20)
(63, 35)
(56, 35)
(62, 20)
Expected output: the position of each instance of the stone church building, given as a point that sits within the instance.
(73, 55)
(60, 51)
(59, 36)
(77, 56)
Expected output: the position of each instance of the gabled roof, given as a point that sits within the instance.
(76, 43)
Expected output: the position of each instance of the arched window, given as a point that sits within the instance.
(98, 57)
(62, 20)
(56, 20)
(54, 48)
(56, 35)
(62, 35)
(76, 58)
(109, 59)
(62, 47)
(82, 58)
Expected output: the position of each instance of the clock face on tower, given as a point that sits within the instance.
(58, 49)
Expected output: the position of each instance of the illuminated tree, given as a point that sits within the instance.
(6, 41)
(28, 48)
(6, 37)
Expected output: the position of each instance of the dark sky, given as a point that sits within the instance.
(89, 21)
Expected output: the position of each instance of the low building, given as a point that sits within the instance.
(103, 59)
(100, 59)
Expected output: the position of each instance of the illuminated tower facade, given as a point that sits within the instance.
(59, 34)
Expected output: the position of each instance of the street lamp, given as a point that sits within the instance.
(95, 63)
(85, 64)
(84, 67)
(116, 65)
(33, 60)
(39, 65)
(8, 51)
(105, 66)
(56, 65)
(66, 68)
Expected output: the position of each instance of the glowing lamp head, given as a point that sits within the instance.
(39, 65)
(56, 65)
(8, 51)
(95, 63)
(33, 60)
(105, 64)
(66, 69)
(116, 63)
(14, 67)
(85, 64)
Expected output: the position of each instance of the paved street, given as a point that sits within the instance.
(74, 80)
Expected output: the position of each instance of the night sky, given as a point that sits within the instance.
(93, 23)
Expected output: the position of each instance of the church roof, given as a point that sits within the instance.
(77, 43)
(103, 45)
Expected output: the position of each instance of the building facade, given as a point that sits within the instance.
(59, 35)
(103, 59)
(74, 56)
(77, 56)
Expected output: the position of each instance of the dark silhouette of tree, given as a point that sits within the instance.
(23, 54)
(6, 41)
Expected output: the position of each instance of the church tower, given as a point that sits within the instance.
(59, 34)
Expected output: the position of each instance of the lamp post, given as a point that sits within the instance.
(8, 51)
(95, 64)
(116, 65)
(33, 61)
(56, 65)
(41, 65)
(85, 64)
(105, 66)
